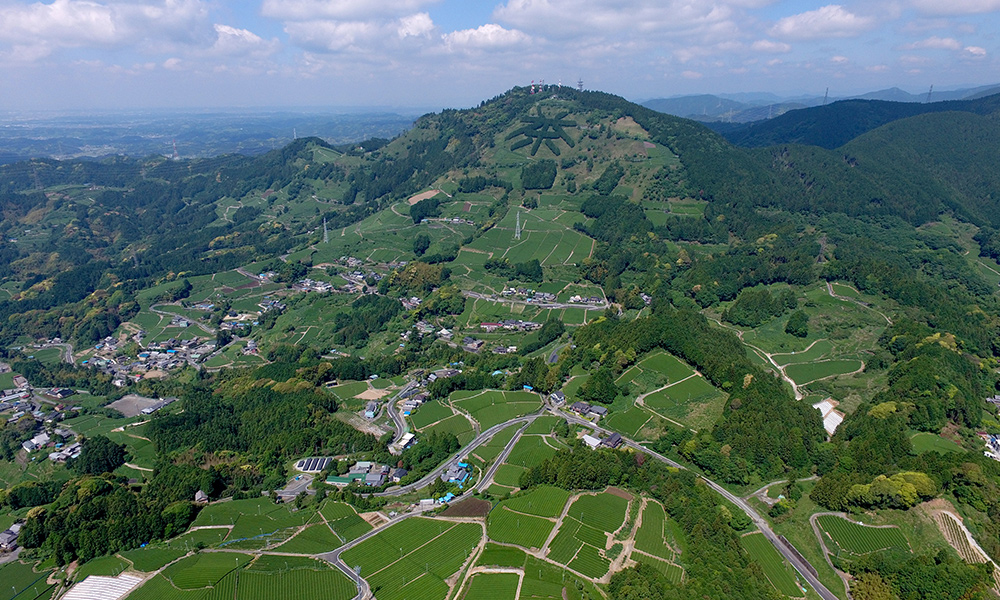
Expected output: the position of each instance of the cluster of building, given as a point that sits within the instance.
(471, 344)
(612, 441)
(8, 538)
(505, 350)
(577, 299)
(992, 442)
(453, 220)
(995, 401)
(510, 325)
(351, 262)
(179, 321)
(309, 285)
(586, 410)
(411, 303)
(412, 403)
(457, 472)
(368, 473)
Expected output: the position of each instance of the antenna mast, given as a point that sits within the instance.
(326, 234)
(517, 232)
(176, 156)
(929, 92)
(579, 84)
(826, 96)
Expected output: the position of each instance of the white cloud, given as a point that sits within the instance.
(490, 35)
(831, 21)
(346, 10)
(599, 17)
(232, 41)
(333, 36)
(770, 46)
(839, 60)
(877, 68)
(418, 25)
(691, 75)
(173, 64)
(956, 7)
(110, 24)
(976, 50)
(934, 43)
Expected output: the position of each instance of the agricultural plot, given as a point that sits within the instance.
(254, 521)
(852, 538)
(778, 572)
(803, 373)
(651, 536)
(456, 425)
(632, 421)
(344, 520)
(204, 569)
(493, 407)
(506, 526)
(148, 560)
(411, 560)
(495, 555)
(491, 449)
(604, 511)
(672, 572)
(509, 475)
(542, 425)
(430, 413)
(493, 586)
(314, 539)
(104, 565)
(693, 401)
(295, 578)
(541, 501)
(530, 451)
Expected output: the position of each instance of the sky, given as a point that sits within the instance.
(137, 54)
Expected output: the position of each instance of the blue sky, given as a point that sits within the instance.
(89, 54)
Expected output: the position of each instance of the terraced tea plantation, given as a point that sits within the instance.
(778, 571)
(843, 536)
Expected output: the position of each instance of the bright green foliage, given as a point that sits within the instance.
(538, 175)
(775, 568)
(507, 526)
(541, 501)
(494, 586)
(798, 324)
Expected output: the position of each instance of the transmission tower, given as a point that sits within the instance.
(929, 92)
(826, 96)
(579, 84)
(326, 234)
(517, 231)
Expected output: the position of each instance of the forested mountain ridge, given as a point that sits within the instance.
(833, 125)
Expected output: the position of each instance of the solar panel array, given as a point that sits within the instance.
(313, 465)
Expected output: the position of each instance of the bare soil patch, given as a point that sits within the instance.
(374, 519)
(619, 492)
(372, 394)
(470, 507)
(132, 404)
(467, 207)
(423, 196)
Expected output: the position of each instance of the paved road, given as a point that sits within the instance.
(296, 485)
(478, 441)
(67, 351)
(395, 415)
(484, 481)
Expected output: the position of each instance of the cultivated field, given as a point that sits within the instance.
(491, 407)
(852, 538)
(778, 572)
(493, 586)
(509, 527)
(344, 521)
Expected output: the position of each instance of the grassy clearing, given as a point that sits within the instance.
(929, 442)
(803, 373)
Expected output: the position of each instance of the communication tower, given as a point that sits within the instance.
(517, 231)
(929, 92)
(326, 234)
(579, 84)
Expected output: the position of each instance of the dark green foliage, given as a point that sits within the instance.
(421, 243)
(609, 179)
(432, 450)
(527, 271)
(472, 185)
(95, 516)
(923, 576)
(756, 306)
(99, 455)
(798, 324)
(426, 208)
(538, 175)
(600, 387)
(32, 493)
(369, 314)
(550, 331)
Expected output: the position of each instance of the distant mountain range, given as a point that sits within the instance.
(749, 107)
